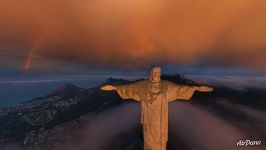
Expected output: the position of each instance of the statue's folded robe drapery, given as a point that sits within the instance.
(154, 116)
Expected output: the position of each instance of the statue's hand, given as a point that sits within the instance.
(108, 88)
(205, 89)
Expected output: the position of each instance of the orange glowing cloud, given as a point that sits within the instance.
(138, 32)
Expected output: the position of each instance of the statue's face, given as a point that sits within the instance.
(155, 74)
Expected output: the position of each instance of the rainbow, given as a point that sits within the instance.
(28, 60)
(29, 56)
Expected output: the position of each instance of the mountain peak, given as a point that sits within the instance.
(66, 87)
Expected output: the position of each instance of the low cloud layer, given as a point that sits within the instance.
(196, 127)
(202, 130)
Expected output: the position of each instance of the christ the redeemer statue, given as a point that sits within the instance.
(154, 95)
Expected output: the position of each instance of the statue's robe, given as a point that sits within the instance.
(154, 116)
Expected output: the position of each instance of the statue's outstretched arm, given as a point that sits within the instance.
(204, 88)
(108, 88)
(184, 92)
(127, 91)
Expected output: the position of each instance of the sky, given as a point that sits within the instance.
(202, 37)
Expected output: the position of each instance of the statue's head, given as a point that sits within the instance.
(155, 75)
